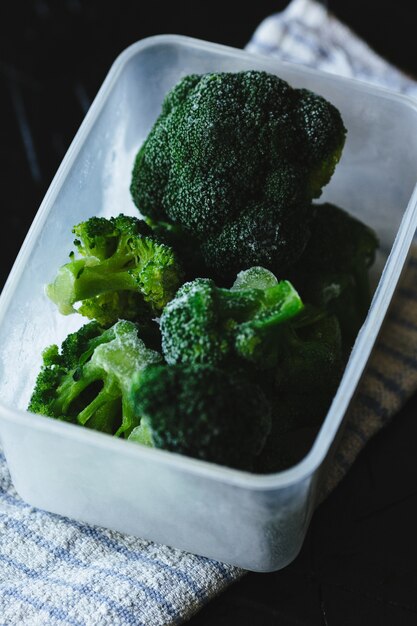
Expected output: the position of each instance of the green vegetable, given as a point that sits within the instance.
(225, 181)
(121, 273)
(311, 354)
(203, 412)
(333, 272)
(211, 325)
(89, 381)
(306, 380)
(234, 159)
(186, 248)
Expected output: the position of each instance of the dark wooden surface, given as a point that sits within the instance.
(359, 562)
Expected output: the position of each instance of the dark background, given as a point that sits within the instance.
(359, 562)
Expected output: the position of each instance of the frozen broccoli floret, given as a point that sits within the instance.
(306, 380)
(333, 272)
(235, 159)
(88, 382)
(211, 325)
(203, 412)
(121, 272)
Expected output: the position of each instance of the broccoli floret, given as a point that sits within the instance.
(293, 352)
(211, 325)
(186, 250)
(234, 159)
(203, 412)
(305, 382)
(88, 382)
(121, 273)
(333, 272)
(311, 354)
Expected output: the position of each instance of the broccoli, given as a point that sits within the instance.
(88, 382)
(211, 325)
(186, 250)
(311, 354)
(304, 384)
(121, 272)
(235, 159)
(203, 412)
(333, 272)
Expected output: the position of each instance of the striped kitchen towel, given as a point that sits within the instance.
(307, 33)
(58, 571)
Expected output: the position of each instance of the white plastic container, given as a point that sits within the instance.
(256, 522)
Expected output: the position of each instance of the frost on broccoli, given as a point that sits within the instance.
(235, 159)
(203, 412)
(89, 380)
(333, 272)
(121, 272)
(226, 179)
(305, 381)
(207, 324)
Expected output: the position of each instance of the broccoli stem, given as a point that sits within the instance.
(279, 302)
(106, 417)
(70, 389)
(109, 392)
(88, 381)
(77, 281)
(129, 419)
(240, 309)
(94, 281)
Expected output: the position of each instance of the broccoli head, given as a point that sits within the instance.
(311, 354)
(333, 272)
(211, 325)
(186, 249)
(121, 272)
(88, 382)
(203, 412)
(306, 380)
(234, 159)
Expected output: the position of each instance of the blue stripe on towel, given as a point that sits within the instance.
(52, 611)
(342, 462)
(99, 536)
(408, 361)
(85, 590)
(373, 405)
(389, 383)
(91, 531)
(356, 431)
(140, 557)
(403, 322)
(62, 554)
